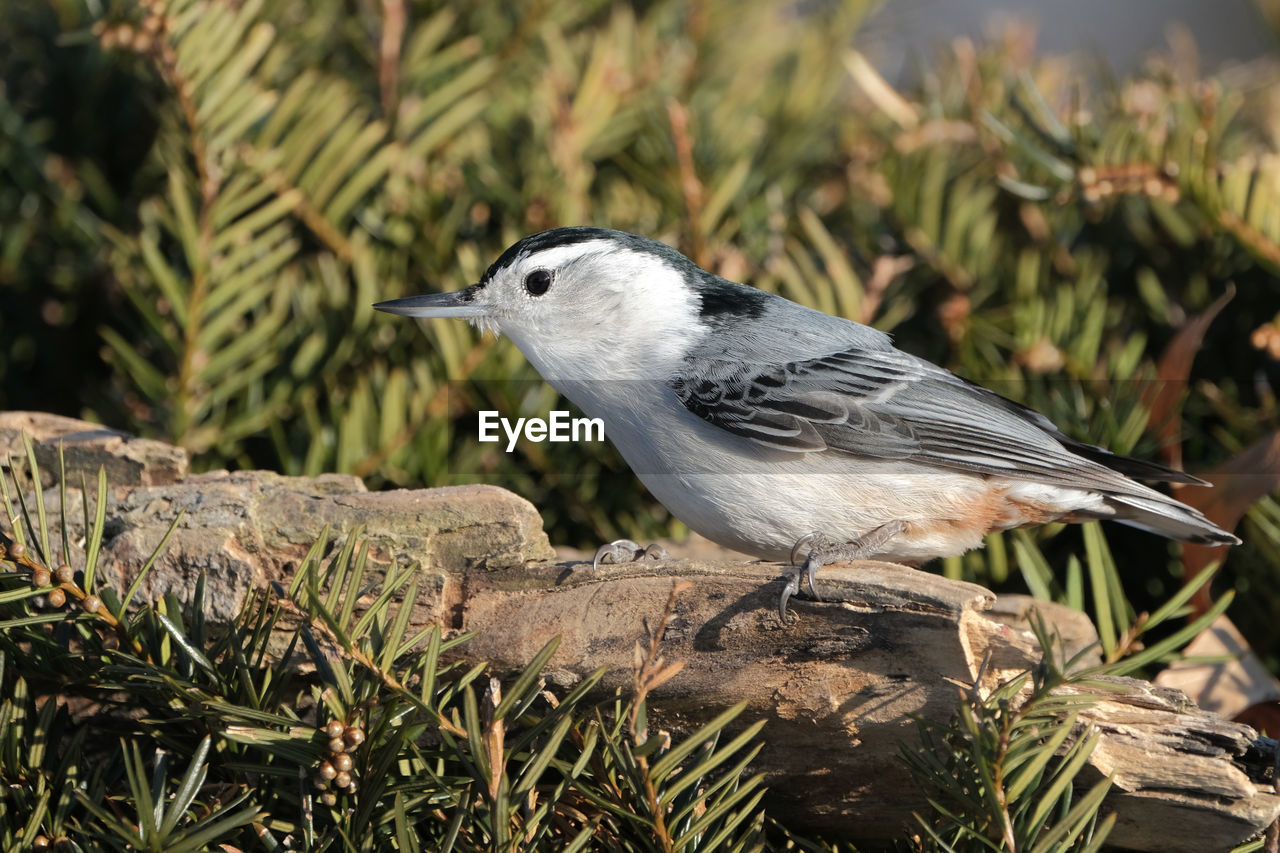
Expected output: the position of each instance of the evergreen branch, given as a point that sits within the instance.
(690, 186)
(315, 221)
(1264, 248)
(648, 672)
(394, 18)
(350, 651)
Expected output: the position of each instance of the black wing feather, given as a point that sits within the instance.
(886, 404)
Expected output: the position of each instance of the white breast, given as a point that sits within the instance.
(761, 500)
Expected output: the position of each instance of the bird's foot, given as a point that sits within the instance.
(823, 552)
(626, 551)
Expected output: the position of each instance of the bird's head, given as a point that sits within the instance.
(584, 303)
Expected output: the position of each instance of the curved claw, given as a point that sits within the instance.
(803, 572)
(601, 553)
(810, 569)
(791, 587)
(654, 552)
(619, 551)
(626, 551)
(823, 551)
(801, 542)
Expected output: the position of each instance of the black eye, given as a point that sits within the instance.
(537, 282)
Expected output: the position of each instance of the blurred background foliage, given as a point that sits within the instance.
(201, 200)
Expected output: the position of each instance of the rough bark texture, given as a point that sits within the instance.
(839, 686)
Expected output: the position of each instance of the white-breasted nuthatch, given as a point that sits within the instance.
(763, 425)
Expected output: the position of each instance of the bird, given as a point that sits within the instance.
(767, 426)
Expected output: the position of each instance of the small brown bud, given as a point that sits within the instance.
(336, 746)
(342, 780)
(64, 574)
(91, 604)
(40, 842)
(954, 314)
(342, 761)
(40, 578)
(329, 798)
(17, 550)
(1041, 357)
(326, 771)
(353, 736)
(353, 787)
(334, 728)
(1267, 338)
(57, 598)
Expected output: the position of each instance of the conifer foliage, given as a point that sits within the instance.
(201, 199)
(211, 195)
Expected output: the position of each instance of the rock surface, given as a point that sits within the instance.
(128, 460)
(838, 687)
(247, 528)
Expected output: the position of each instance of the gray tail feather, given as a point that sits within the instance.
(1167, 517)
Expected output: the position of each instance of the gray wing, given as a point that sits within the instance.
(886, 404)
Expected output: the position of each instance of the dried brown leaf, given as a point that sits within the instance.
(1237, 484)
(1164, 404)
(660, 676)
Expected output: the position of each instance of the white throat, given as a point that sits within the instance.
(636, 320)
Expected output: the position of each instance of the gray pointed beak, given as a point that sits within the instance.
(458, 304)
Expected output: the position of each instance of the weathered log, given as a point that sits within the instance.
(838, 687)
